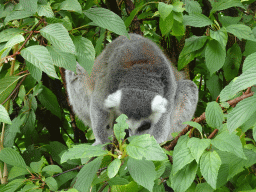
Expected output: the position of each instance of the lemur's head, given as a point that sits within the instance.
(143, 108)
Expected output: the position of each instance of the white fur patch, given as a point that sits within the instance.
(159, 104)
(113, 100)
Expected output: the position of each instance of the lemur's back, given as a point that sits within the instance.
(134, 77)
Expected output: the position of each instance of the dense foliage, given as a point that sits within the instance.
(213, 41)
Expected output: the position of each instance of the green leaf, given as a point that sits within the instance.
(250, 47)
(226, 94)
(143, 172)
(65, 22)
(30, 187)
(16, 172)
(29, 126)
(185, 59)
(229, 142)
(56, 149)
(197, 147)
(254, 132)
(233, 62)
(85, 52)
(58, 36)
(209, 165)
(12, 130)
(49, 101)
(45, 10)
(221, 36)
(119, 128)
(196, 20)
(6, 10)
(236, 164)
(12, 157)
(7, 34)
(12, 186)
(182, 180)
(113, 168)
(35, 72)
(134, 12)
(107, 19)
(215, 56)
(15, 15)
(248, 124)
(17, 39)
(241, 113)
(164, 9)
(178, 17)
(5, 52)
(71, 5)
(193, 48)
(29, 5)
(87, 174)
(178, 6)
(222, 176)
(7, 85)
(214, 85)
(52, 169)
(51, 183)
(62, 59)
(83, 151)
(249, 62)
(118, 181)
(140, 146)
(181, 155)
(161, 167)
(40, 57)
(178, 29)
(166, 25)
(247, 79)
(227, 20)
(204, 187)
(4, 116)
(225, 4)
(130, 187)
(241, 31)
(193, 43)
(37, 166)
(214, 115)
(194, 124)
(192, 6)
(64, 178)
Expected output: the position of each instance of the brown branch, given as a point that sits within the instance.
(25, 42)
(213, 134)
(246, 94)
(174, 142)
(238, 99)
(22, 72)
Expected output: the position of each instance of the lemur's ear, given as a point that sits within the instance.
(159, 104)
(113, 100)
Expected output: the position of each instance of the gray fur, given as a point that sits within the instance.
(133, 77)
